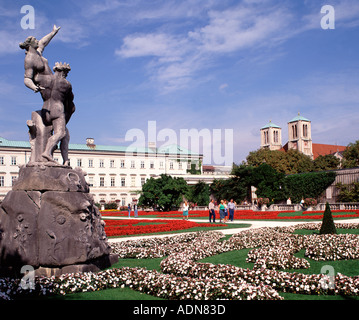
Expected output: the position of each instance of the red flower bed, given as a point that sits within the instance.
(241, 214)
(133, 226)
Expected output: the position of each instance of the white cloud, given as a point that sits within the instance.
(177, 57)
(223, 86)
(205, 32)
(72, 31)
(159, 45)
(239, 28)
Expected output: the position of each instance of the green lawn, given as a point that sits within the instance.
(236, 258)
(345, 267)
(308, 214)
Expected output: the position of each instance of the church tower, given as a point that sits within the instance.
(271, 136)
(300, 135)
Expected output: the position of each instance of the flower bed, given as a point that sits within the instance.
(133, 226)
(184, 277)
(243, 214)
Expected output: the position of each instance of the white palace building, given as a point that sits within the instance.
(114, 173)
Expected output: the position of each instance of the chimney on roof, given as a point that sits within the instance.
(152, 146)
(90, 142)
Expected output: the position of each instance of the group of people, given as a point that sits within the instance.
(225, 209)
(135, 209)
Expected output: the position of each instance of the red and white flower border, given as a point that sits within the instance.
(184, 277)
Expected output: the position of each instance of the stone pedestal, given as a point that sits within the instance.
(49, 221)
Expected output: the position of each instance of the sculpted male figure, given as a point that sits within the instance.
(57, 110)
(57, 95)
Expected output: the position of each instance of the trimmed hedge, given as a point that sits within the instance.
(308, 185)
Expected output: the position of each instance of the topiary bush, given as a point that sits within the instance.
(328, 226)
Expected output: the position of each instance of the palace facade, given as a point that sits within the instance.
(114, 173)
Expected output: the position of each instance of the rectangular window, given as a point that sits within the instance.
(13, 161)
(112, 163)
(305, 130)
(112, 181)
(13, 179)
(123, 182)
(161, 165)
(91, 181)
(79, 162)
(142, 164)
(171, 165)
(102, 163)
(2, 161)
(132, 164)
(2, 181)
(102, 181)
(152, 165)
(143, 181)
(133, 181)
(90, 163)
(122, 163)
(179, 165)
(123, 201)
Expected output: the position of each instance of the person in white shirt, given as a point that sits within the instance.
(185, 211)
(231, 206)
(211, 212)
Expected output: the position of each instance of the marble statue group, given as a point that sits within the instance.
(49, 219)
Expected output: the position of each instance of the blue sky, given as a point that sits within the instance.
(190, 64)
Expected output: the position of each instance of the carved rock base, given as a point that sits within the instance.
(49, 221)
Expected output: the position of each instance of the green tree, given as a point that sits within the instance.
(290, 162)
(326, 162)
(163, 193)
(275, 158)
(199, 193)
(242, 182)
(308, 185)
(351, 155)
(269, 183)
(298, 162)
(237, 187)
(348, 192)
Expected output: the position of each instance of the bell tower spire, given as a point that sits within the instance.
(300, 135)
(271, 136)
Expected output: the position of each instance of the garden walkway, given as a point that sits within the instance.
(253, 224)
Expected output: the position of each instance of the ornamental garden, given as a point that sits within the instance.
(268, 263)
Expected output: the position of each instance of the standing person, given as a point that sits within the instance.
(221, 211)
(302, 204)
(231, 206)
(135, 209)
(185, 211)
(129, 209)
(225, 211)
(211, 212)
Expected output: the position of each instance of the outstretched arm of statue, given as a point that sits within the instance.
(46, 39)
(29, 82)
